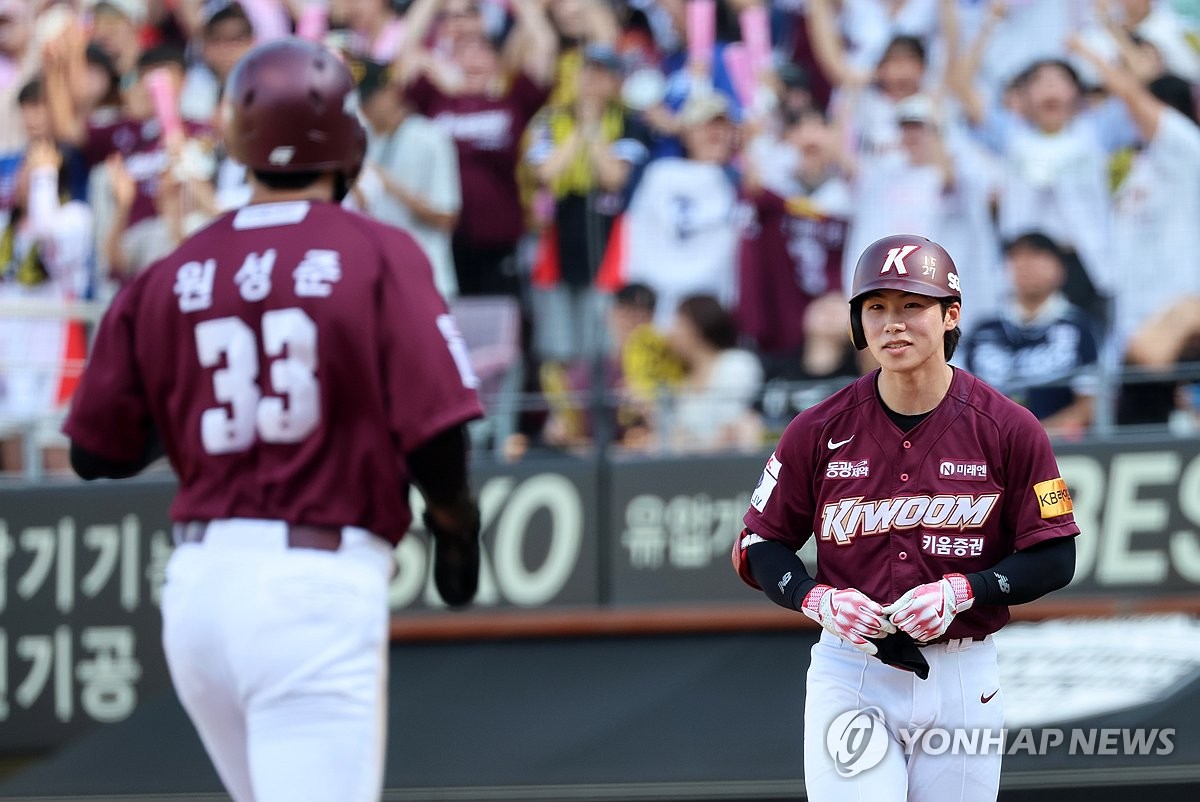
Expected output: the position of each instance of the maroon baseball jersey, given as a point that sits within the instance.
(973, 482)
(140, 143)
(487, 132)
(786, 257)
(289, 355)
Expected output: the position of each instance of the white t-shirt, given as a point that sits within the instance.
(869, 26)
(683, 233)
(1058, 183)
(1030, 30)
(421, 157)
(199, 95)
(700, 414)
(32, 350)
(1156, 225)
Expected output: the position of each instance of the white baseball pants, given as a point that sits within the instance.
(962, 695)
(278, 655)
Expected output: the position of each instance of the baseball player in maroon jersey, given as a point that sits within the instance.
(936, 503)
(298, 368)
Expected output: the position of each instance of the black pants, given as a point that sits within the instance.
(487, 270)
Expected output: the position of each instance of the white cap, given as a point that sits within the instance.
(133, 10)
(916, 109)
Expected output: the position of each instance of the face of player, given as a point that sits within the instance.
(1051, 97)
(905, 331)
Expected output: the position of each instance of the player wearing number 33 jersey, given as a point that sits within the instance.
(936, 503)
(298, 368)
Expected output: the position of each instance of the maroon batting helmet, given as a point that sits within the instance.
(904, 262)
(292, 109)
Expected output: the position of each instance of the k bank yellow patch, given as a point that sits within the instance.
(1053, 498)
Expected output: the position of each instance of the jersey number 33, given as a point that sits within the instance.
(287, 417)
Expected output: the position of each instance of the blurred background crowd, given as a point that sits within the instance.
(644, 212)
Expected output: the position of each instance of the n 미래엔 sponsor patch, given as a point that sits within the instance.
(1053, 498)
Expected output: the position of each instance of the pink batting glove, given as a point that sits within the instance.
(925, 612)
(848, 614)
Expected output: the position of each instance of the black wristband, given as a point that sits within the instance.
(780, 573)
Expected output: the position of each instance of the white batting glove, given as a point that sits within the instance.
(925, 612)
(848, 614)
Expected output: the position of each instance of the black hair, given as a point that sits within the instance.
(287, 181)
(96, 56)
(950, 339)
(302, 180)
(1034, 241)
(913, 45)
(636, 296)
(233, 11)
(1023, 78)
(1176, 93)
(804, 115)
(31, 93)
(161, 56)
(713, 322)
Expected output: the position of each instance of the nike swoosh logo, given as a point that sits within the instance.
(989, 697)
(832, 445)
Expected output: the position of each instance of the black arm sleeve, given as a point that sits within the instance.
(89, 465)
(439, 467)
(780, 573)
(1027, 574)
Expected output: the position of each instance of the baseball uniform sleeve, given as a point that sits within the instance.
(428, 379)
(782, 505)
(109, 415)
(1037, 506)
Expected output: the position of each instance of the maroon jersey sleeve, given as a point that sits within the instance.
(1037, 504)
(420, 338)
(783, 504)
(109, 416)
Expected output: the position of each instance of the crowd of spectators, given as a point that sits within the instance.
(670, 193)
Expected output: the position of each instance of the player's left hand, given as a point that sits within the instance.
(925, 612)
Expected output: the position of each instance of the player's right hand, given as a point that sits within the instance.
(849, 614)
